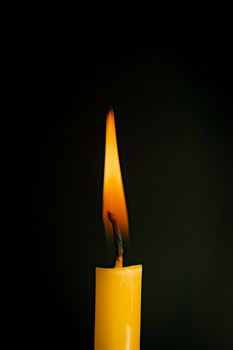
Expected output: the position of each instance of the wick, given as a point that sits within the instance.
(117, 240)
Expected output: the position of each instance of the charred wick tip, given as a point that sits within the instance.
(117, 238)
(112, 218)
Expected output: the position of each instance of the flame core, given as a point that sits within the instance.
(113, 190)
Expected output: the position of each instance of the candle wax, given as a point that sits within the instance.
(118, 308)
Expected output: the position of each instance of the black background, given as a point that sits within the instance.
(171, 90)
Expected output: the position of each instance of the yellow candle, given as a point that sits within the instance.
(118, 308)
(118, 289)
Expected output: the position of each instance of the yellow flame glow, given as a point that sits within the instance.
(113, 190)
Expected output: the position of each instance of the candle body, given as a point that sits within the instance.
(118, 308)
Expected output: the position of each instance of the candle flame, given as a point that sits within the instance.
(113, 190)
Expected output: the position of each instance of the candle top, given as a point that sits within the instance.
(125, 268)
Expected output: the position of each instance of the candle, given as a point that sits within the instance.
(118, 289)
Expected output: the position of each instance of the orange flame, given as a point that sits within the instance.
(113, 190)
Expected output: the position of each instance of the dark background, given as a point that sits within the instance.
(171, 90)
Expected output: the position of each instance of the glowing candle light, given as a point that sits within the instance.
(118, 289)
(113, 190)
